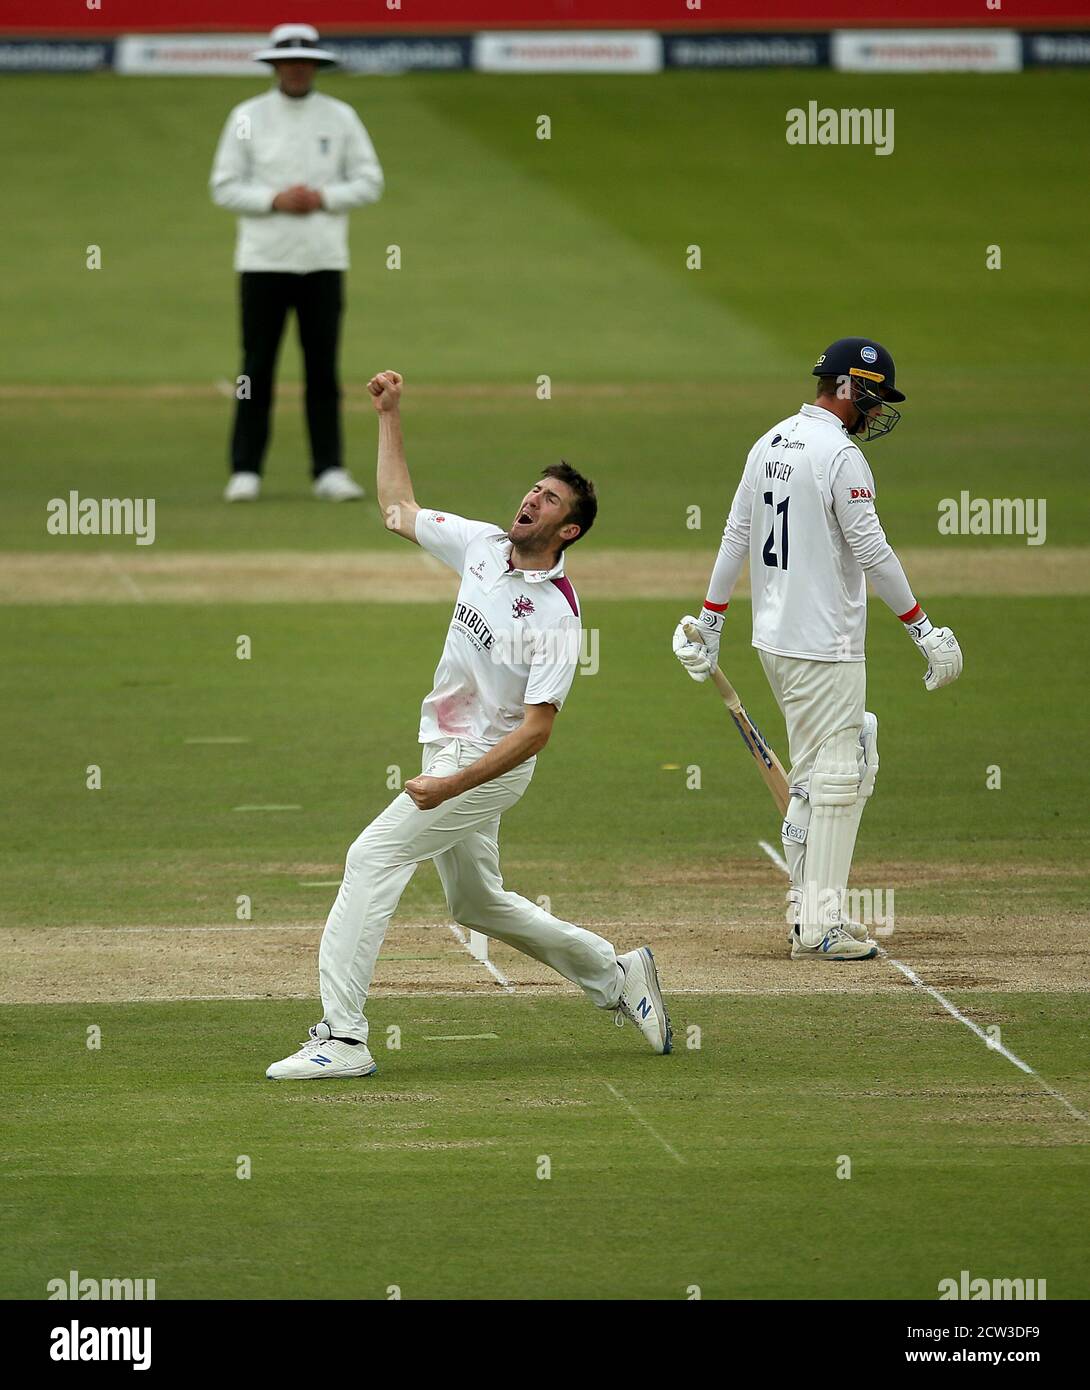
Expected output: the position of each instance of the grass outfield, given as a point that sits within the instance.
(328, 710)
(121, 908)
(958, 1159)
(567, 257)
(715, 1167)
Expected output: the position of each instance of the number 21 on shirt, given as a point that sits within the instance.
(776, 559)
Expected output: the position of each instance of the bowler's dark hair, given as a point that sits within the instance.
(585, 506)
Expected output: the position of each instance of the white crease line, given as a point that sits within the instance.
(646, 1124)
(497, 974)
(128, 583)
(460, 1037)
(102, 931)
(915, 980)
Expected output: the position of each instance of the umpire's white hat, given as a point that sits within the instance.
(294, 41)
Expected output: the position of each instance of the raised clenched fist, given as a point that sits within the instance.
(385, 388)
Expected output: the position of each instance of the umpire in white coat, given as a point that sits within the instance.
(292, 163)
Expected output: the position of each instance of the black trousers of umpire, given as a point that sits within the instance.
(266, 298)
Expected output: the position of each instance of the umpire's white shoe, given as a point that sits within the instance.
(836, 944)
(337, 485)
(641, 998)
(323, 1056)
(243, 487)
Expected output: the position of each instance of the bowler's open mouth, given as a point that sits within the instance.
(525, 519)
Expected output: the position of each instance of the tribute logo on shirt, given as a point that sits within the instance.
(469, 621)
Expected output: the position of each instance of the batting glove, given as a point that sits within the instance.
(701, 657)
(940, 649)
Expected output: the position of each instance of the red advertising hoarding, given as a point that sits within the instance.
(102, 18)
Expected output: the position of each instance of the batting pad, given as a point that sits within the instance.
(830, 841)
(867, 754)
(793, 833)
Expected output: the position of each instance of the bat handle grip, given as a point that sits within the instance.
(693, 634)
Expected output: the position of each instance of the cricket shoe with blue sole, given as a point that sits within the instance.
(794, 912)
(641, 999)
(323, 1055)
(836, 944)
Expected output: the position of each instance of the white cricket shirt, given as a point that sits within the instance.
(804, 513)
(273, 142)
(513, 639)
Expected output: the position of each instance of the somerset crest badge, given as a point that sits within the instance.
(522, 607)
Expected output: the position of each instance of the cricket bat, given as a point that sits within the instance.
(769, 766)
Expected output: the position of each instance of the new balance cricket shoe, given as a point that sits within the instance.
(337, 485)
(323, 1055)
(243, 487)
(641, 998)
(836, 944)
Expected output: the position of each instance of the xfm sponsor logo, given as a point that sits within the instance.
(847, 126)
(75, 1343)
(108, 516)
(994, 516)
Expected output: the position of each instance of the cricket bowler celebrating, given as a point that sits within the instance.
(508, 662)
(804, 513)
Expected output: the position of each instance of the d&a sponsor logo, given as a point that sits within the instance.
(861, 494)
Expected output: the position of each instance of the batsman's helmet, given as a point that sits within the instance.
(865, 375)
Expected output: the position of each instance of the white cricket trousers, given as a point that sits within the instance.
(817, 699)
(462, 837)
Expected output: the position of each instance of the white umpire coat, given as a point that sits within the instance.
(273, 142)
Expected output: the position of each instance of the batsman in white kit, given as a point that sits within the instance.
(804, 515)
(511, 652)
